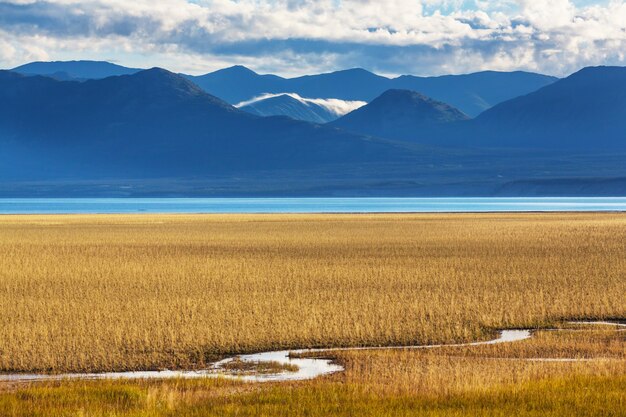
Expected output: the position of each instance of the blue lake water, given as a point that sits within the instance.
(305, 205)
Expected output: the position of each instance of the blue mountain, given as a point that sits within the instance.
(477, 92)
(472, 94)
(169, 136)
(401, 114)
(286, 105)
(238, 83)
(77, 70)
(585, 111)
(156, 124)
(351, 84)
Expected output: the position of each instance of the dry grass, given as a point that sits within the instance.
(376, 383)
(585, 344)
(438, 373)
(238, 366)
(146, 292)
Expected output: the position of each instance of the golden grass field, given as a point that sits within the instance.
(128, 292)
(476, 381)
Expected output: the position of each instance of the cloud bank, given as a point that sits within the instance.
(293, 37)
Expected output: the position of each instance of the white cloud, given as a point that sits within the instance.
(298, 36)
(333, 105)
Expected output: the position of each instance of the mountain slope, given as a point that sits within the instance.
(475, 93)
(285, 105)
(299, 108)
(238, 83)
(155, 123)
(78, 70)
(400, 114)
(585, 111)
(352, 84)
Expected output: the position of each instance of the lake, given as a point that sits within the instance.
(306, 205)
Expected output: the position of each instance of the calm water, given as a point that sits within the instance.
(304, 205)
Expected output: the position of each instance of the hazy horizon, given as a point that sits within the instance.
(328, 71)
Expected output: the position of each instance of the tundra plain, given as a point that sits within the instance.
(88, 293)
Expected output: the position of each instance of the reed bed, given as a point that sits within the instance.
(439, 373)
(582, 345)
(438, 382)
(128, 292)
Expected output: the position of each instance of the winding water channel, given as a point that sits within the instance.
(307, 368)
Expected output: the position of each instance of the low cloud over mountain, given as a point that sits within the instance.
(318, 110)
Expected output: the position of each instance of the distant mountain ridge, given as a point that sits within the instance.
(471, 93)
(475, 93)
(77, 70)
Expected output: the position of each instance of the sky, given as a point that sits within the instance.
(296, 37)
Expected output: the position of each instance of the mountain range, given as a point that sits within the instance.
(159, 128)
(155, 123)
(75, 70)
(471, 93)
(583, 112)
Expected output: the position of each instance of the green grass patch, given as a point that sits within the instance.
(557, 397)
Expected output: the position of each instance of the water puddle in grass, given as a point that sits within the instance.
(307, 368)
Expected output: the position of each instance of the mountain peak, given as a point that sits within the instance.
(400, 114)
(291, 106)
(585, 110)
(358, 73)
(156, 72)
(75, 69)
(157, 86)
(238, 70)
(400, 94)
(597, 71)
(300, 108)
(80, 62)
(161, 76)
(417, 103)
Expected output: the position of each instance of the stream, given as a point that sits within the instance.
(308, 368)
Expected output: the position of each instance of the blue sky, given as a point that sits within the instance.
(294, 37)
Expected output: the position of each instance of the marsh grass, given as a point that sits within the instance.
(135, 292)
(265, 367)
(375, 383)
(569, 343)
